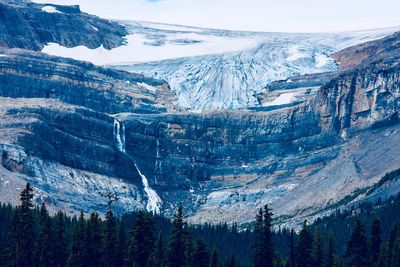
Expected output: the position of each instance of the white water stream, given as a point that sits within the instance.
(154, 201)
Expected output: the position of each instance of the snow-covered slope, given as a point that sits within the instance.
(219, 69)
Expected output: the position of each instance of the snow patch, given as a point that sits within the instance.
(50, 9)
(282, 99)
(136, 50)
(94, 28)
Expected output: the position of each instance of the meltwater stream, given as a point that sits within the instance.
(154, 200)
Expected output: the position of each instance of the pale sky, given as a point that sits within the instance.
(252, 15)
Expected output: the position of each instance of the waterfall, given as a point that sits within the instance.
(157, 164)
(119, 136)
(154, 201)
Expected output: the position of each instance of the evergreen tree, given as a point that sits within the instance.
(60, 240)
(263, 248)
(109, 252)
(176, 256)
(396, 253)
(22, 236)
(158, 257)
(390, 246)
(93, 235)
(331, 257)
(44, 249)
(215, 261)
(376, 242)
(200, 256)
(268, 255)
(78, 256)
(232, 261)
(318, 255)
(292, 252)
(189, 247)
(141, 241)
(121, 243)
(305, 247)
(258, 240)
(357, 247)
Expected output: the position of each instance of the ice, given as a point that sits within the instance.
(50, 9)
(322, 60)
(219, 69)
(295, 54)
(137, 50)
(170, 27)
(282, 99)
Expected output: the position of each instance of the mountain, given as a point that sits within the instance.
(218, 69)
(303, 136)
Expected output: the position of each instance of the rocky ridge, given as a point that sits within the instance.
(79, 132)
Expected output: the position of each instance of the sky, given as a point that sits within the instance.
(251, 15)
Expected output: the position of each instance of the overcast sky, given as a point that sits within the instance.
(255, 15)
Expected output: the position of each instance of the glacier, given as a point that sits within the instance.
(210, 69)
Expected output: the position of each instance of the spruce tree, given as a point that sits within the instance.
(188, 246)
(78, 255)
(44, 249)
(357, 247)
(232, 261)
(263, 249)
(22, 236)
(215, 261)
(93, 235)
(375, 244)
(60, 240)
(318, 254)
(141, 241)
(109, 251)
(331, 257)
(176, 256)
(396, 253)
(390, 245)
(305, 247)
(200, 256)
(258, 248)
(157, 258)
(292, 252)
(121, 243)
(268, 254)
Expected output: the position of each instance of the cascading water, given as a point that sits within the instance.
(154, 201)
(157, 164)
(119, 136)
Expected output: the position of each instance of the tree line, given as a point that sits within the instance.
(30, 236)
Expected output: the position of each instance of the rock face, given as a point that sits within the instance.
(31, 26)
(364, 54)
(80, 132)
(35, 75)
